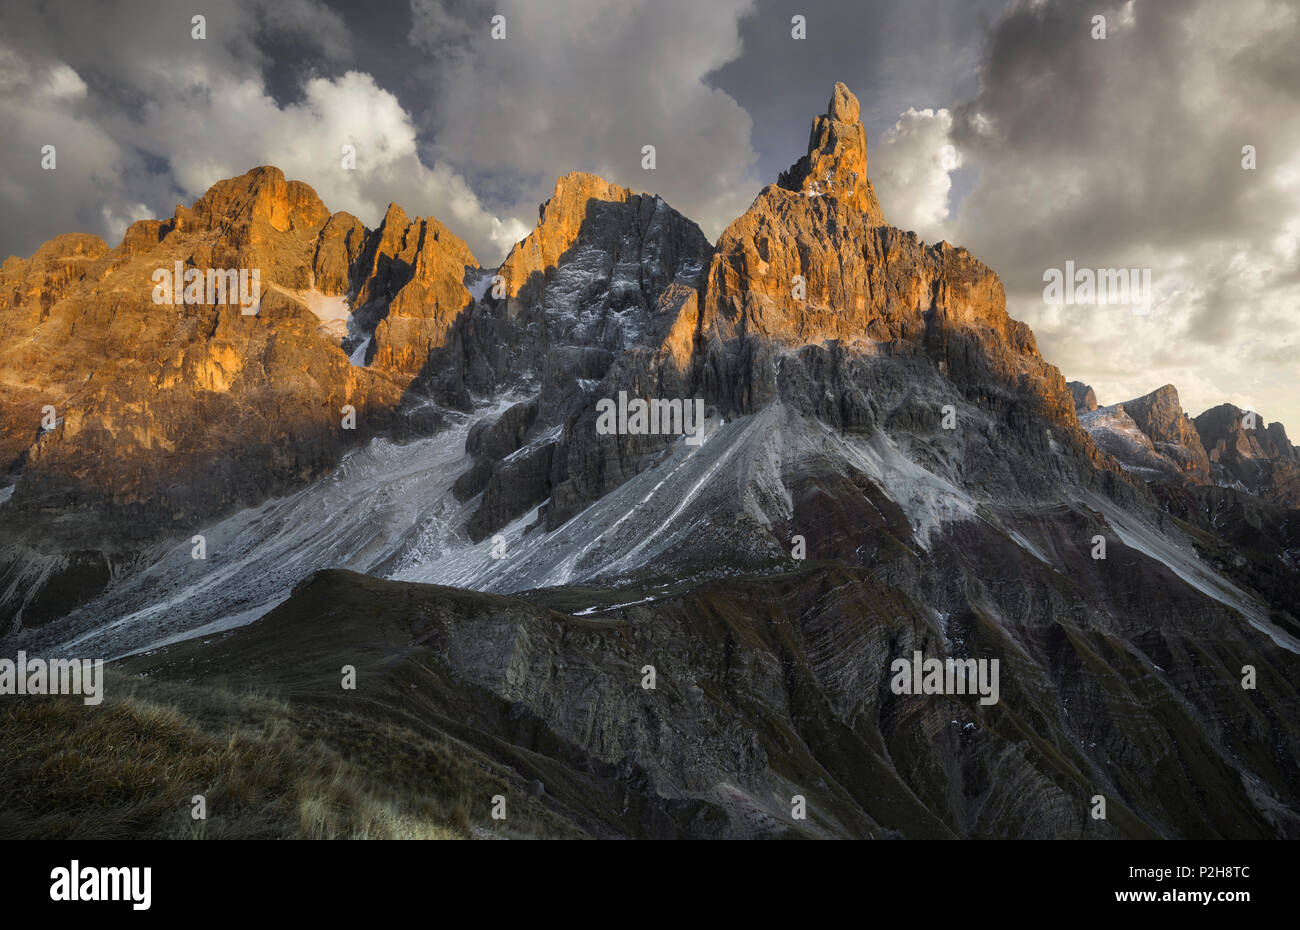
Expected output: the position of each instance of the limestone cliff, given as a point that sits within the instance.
(167, 414)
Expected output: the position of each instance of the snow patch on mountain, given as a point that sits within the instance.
(361, 516)
(478, 280)
(358, 356)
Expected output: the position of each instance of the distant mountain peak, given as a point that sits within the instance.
(1085, 398)
(1152, 437)
(1246, 452)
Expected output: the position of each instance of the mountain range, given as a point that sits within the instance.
(396, 465)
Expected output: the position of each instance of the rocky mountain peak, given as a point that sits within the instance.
(573, 190)
(1160, 415)
(836, 162)
(560, 219)
(603, 273)
(1245, 453)
(1228, 427)
(395, 220)
(261, 196)
(1085, 398)
(812, 263)
(402, 249)
(844, 106)
(169, 412)
(587, 281)
(1175, 445)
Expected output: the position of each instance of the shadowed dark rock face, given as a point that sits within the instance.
(1084, 396)
(598, 280)
(889, 465)
(1255, 458)
(771, 687)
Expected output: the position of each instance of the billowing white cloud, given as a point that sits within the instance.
(911, 168)
(62, 83)
(115, 223)
(306, 139)
(201, 111)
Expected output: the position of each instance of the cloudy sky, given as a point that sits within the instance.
(1002, 125)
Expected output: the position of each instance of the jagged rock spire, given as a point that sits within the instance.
(836, 163)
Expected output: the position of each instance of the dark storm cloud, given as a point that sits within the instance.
(1127, 152)
(893, 55)
(584, 85)
(1123, 118)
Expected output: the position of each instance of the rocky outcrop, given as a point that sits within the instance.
(1247, 454)
(810, 299)
(1160, 416)
(598, 279)
(590, 274)
(835, 165)
(1153, 439)
(1150, 436)
(338, 248)
(1084, 396)
(412, 284)
(1116, 434)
